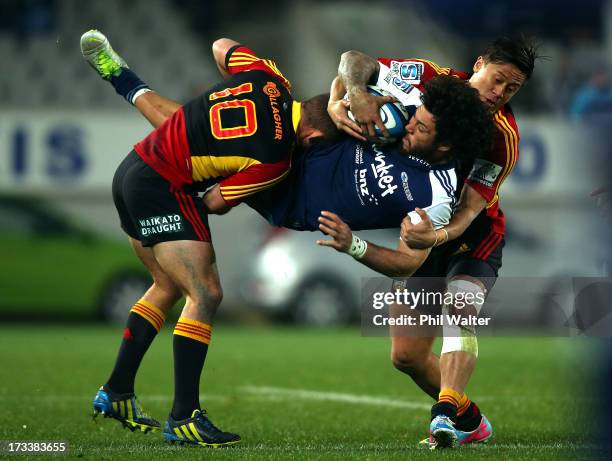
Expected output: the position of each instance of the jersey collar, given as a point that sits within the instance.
(296, 114)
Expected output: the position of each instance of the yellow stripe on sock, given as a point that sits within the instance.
(196, 323)
(193, 329)
(151, 313)
(449, 395)
(464, 404)
(187, 334)
(152, 306)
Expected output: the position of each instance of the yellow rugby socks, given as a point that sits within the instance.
(464, 403)
(450, 396)
(448, 402)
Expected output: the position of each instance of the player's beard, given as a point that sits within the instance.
(427, 153)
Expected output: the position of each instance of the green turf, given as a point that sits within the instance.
(55, 264)
(48, 377)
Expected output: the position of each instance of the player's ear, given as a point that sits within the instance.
(479, 64)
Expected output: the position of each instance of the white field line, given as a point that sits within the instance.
(281, 394)
(359, 399)
(257, 393)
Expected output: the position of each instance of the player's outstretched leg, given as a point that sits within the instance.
(198, 430)
(99, 54)
(124, 408)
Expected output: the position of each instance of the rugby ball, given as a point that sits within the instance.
(393, 114)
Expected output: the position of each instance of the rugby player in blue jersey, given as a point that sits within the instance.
(369, 186)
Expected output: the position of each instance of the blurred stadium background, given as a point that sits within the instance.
(64, 258)
(64, 131)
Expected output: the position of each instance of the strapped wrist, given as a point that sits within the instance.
(358, 247)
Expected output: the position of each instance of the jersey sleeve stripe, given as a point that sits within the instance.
(255, 187)
(511, 139)
(243, 57)
(246, 186)
(243, 54)
(445, 181)
(511, 154)
(437, 69)
(237, 63)
(442, 180)
(272, 65)
(238, 56)
(451, 189)
(492, 202)
(435, 66)
(230, 53)
(252, 189)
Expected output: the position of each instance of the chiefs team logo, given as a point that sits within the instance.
(271, 90)
(485, 172)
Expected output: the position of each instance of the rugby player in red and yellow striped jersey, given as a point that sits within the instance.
(468, 249)
(239, 135)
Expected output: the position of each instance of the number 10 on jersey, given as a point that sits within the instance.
(228, 132)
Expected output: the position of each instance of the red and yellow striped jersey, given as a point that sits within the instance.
(240, 133)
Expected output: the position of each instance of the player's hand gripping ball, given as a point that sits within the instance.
(393, 114)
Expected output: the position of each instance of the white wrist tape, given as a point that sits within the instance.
(414, 217)
(140, 93)
(358, 247)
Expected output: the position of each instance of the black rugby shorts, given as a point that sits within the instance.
(151, 210)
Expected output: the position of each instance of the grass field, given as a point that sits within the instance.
(291, 394)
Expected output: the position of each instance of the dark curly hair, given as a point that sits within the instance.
(462, 120)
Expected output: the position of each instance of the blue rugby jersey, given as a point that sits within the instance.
(369, 187)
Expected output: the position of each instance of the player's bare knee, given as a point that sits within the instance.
(167, 290)
(214, 295)
(407, 360)
(207, 299)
